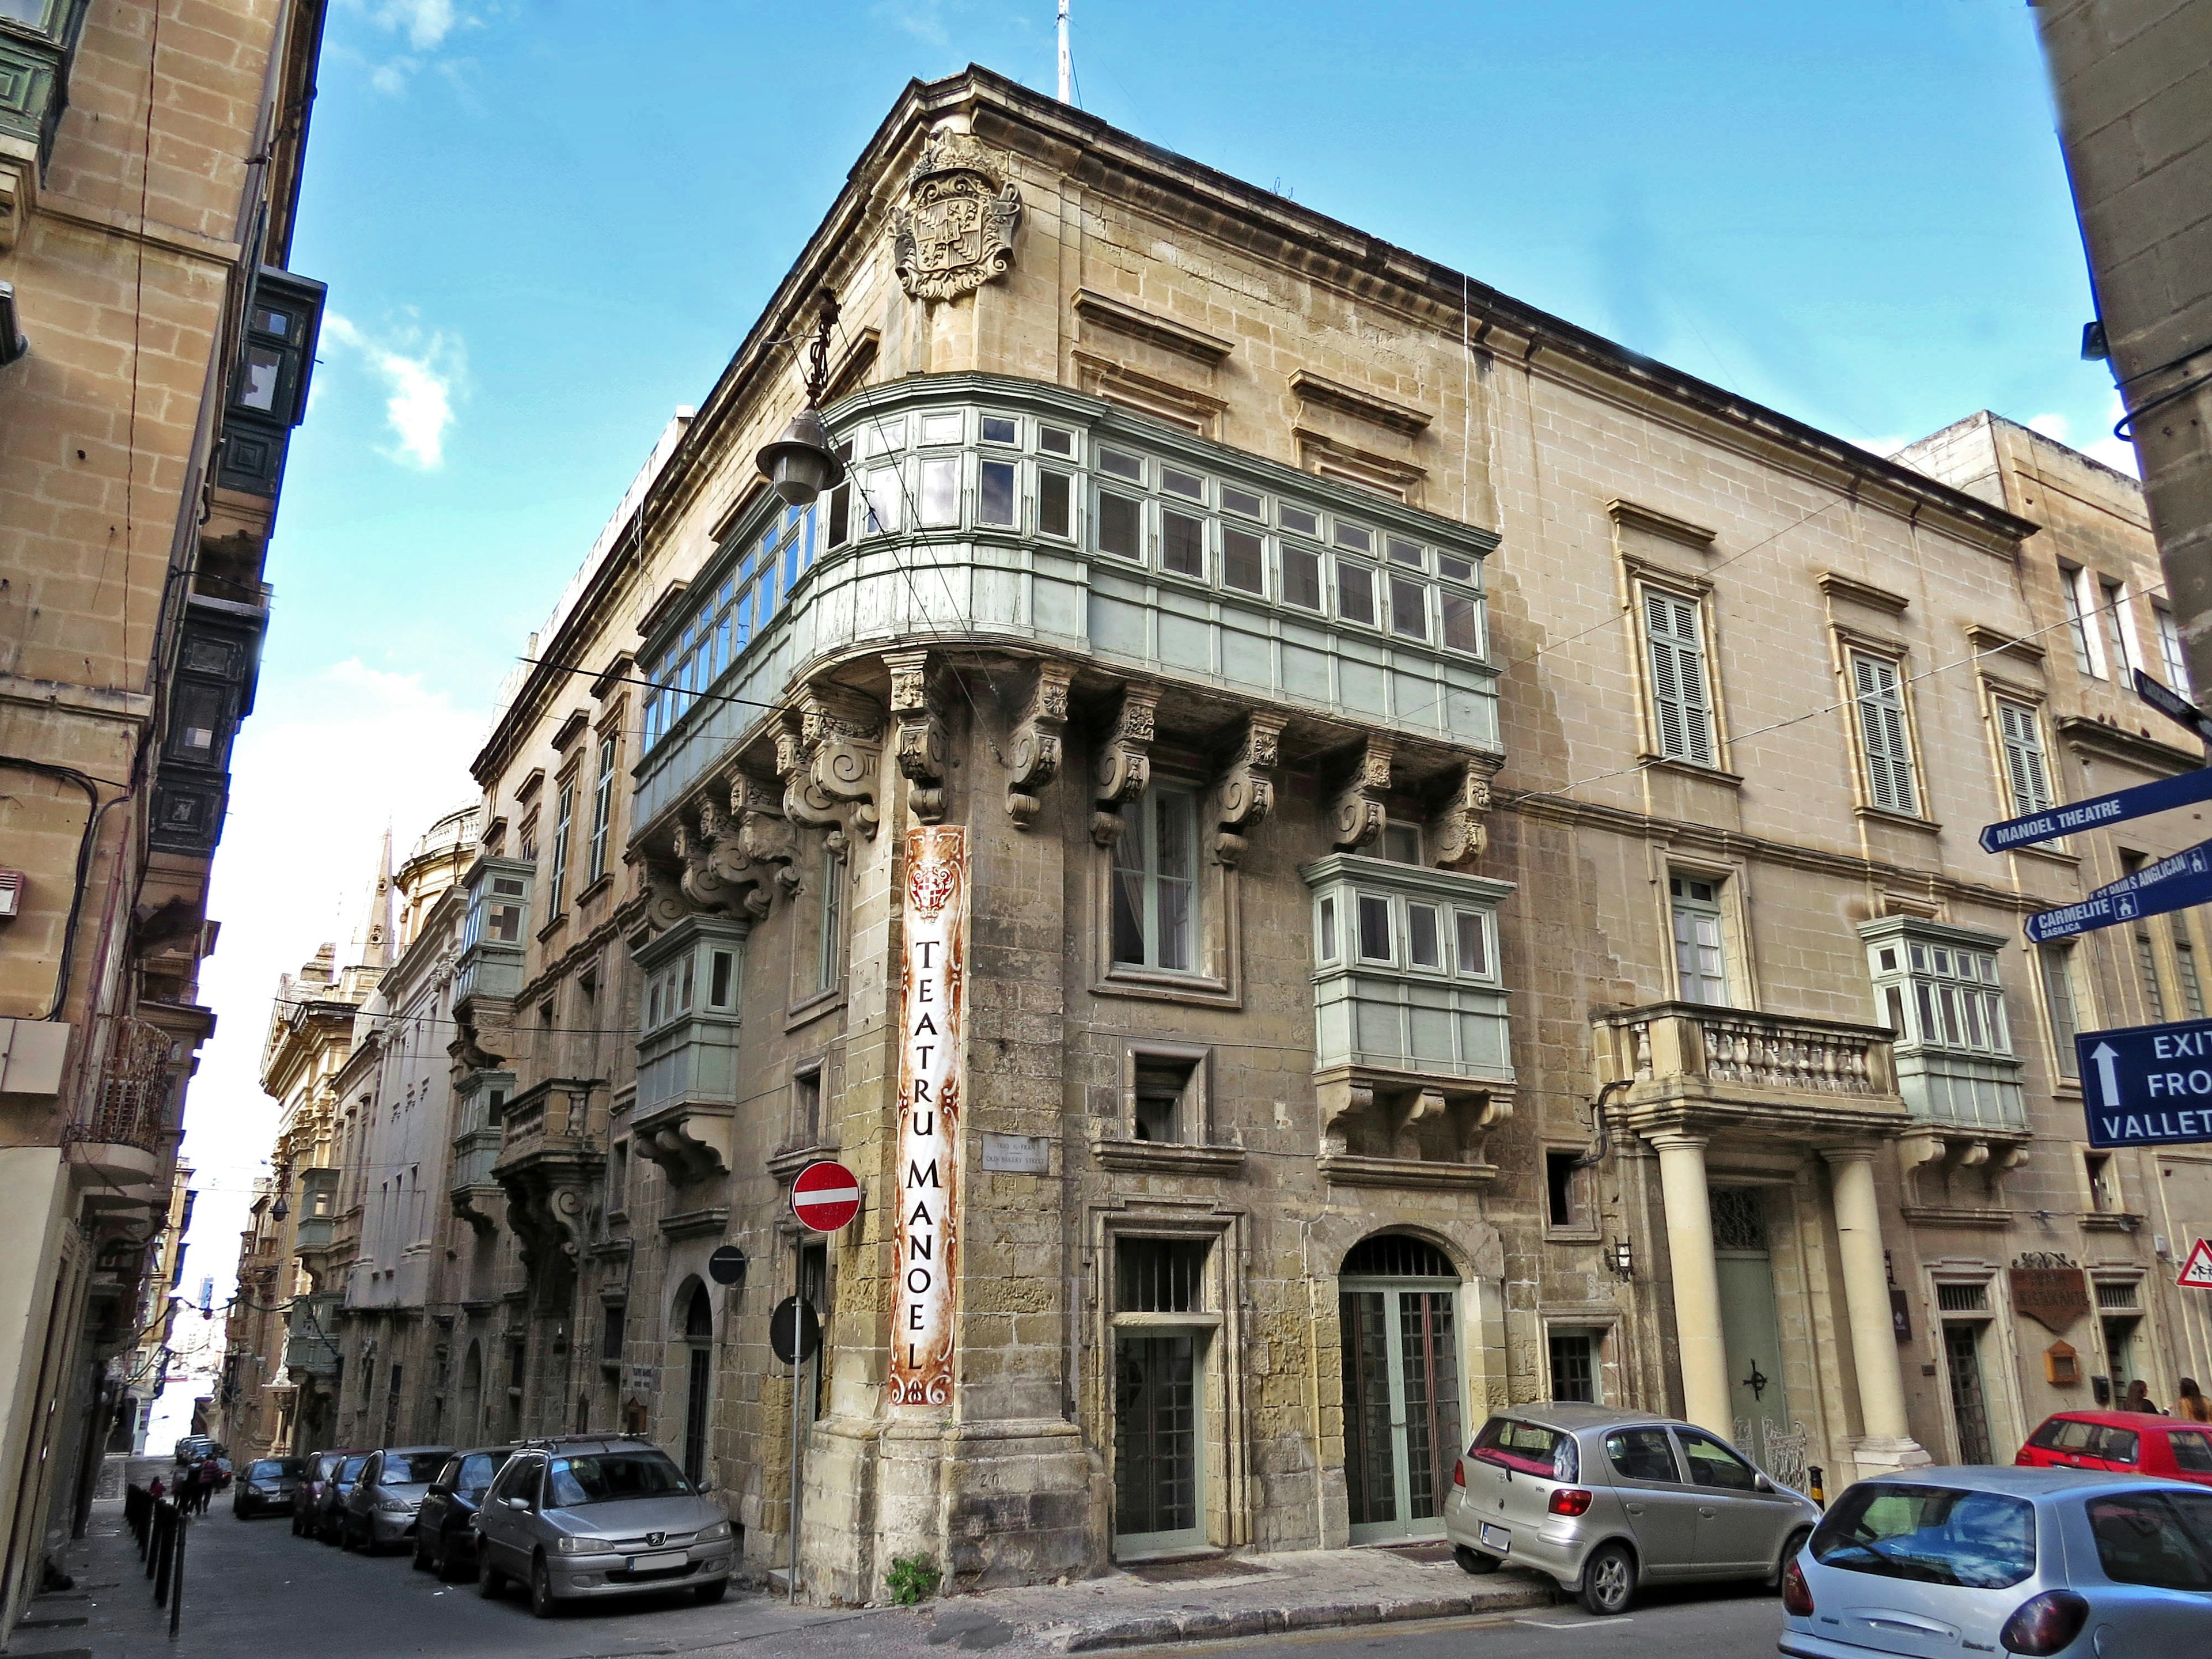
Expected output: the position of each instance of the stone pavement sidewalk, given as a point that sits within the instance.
(1211, 1600)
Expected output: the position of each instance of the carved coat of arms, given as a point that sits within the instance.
(957, 230)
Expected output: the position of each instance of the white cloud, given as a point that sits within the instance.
(2054, 427)
(424, 24)
(2115, 453)
(421, 373)
(922, 19)
(316, 775)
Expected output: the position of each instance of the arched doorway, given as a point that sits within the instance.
(471, 1423)
(1397, 1313)
(699, 1376)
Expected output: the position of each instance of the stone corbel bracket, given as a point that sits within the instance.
(1125, 762)
(829, 754)
(1246, 794)
(1357, 814)
(1039, 742)
(1342, 1101)
(764, 837)
(1952, 1151)
(689, 1146)
(1459, 836)
(918, 733)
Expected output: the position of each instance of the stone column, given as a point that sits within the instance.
(1888, 1443)
(1697, 1281)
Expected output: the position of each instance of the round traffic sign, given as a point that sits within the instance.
(726, 1266)
(794, 1331)
(825, 1196)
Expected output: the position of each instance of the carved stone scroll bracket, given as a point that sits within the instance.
(1125, 760)
(1038, 742)
(1458, 834)
(764, 838)
(1479, 1117)
(829, 754)
(1357, 814)
(1246, 792)
(919, 737)
(1341, 1101)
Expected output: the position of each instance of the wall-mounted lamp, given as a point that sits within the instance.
(1623, 1258)
(800, 464)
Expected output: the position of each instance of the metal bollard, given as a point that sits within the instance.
(177, 1580)
(164, 1526)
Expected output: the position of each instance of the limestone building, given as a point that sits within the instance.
(155, 354)
(1334, 851)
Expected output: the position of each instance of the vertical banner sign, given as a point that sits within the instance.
(932, 994)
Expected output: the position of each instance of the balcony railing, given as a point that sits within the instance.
(1724, 1050)
(131, 1106)
(553, 1118)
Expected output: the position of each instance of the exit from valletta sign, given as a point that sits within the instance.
(933, 999)
(2149, 1085)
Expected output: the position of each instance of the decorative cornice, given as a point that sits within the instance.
(1989, 641)
(1837, 585)
(1361, 404)
(1116, 318)
(2118, 743)
(1630, 515)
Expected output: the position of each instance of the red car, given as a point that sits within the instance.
(2126, 1442)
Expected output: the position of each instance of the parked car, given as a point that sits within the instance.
(191, 1447)
(585, 1518)
(328, 1522)
(446, 1525)
(1604, 1500)
(379, 1510)
(315, 1481)
(269, 1488)
(2125, 1443)
(2038, 1562)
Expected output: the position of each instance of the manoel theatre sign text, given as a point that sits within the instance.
(931, 993)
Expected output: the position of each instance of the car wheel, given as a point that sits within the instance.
(1608, 1583)
(491, 1583)
(1474, 1561)
(541, 1589)
(1790, 1546)
(710, 1593)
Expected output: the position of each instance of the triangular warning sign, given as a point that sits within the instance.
(2197, 1271)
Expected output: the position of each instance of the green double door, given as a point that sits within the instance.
(1751, 1330)
(1403, 1426)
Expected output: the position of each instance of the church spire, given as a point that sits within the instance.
(370, 945)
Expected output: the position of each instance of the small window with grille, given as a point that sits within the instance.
(2124, 1294)
(1962, 1298)
(1159, 1275)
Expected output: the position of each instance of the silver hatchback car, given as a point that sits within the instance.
(2040, 1562)
(1604, 1499)
(580, 1519)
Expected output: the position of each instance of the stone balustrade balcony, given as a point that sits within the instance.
(550, 1152)
(1721, 1063)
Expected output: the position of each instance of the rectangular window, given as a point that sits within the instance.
(1559, 1187)
(1425, 946)
(1159, 1275)
(602, 808)
(618, 1176)
(2113, 601)
(1302, 578)
(995, 496)
(2072, 580)
(833, 920)
(2169, 651)
(1355, 592)
(1461, 633)
(1700, 961)
(837, 515)
(1056, 441)
(941, 428)
(1401, 843)
(881, 491)
(2098, 1166)
(2184, 970)
(563, 820)
(1406, 553)
(940, 491)
(1120, 525)
(1243, 560)
(721, 979)
(1188, 485)
(1130, 467)
(1326, 947)
(1000, 429)
(1164, 1099)
(1409, 609)
(1878, 691)
(1155, 882)
(1375, 928)
(2057, 964)
(1351, 536)
(1183, 543)
(1574, 1366)
(2027, 778)
(1243, 501)
(1473, 941)
(1683, 709)
(1298, 520)
(2147, 970)
(1055, 504)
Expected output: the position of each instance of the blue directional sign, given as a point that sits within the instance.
(2186, 789)
(2175, 706)
(2149, 1085)
(2172, 884)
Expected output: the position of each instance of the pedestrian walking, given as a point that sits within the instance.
(2192, 1404)
(2139, 1399)
(210, 1476)
(156, 1490)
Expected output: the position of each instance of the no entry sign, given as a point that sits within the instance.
(825, 1196)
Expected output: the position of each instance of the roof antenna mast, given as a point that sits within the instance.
(1066, 60)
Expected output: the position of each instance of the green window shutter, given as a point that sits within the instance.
(2025, 768)
(1882, 727)
(1679, 696)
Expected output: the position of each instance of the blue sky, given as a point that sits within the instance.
(545, 224)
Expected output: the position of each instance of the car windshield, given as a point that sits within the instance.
(2162, 1538)
(1528, 1447)
(352, 1469)
(1932, 1535)
(612, 1477)
(268, 1469)
(477, 1472)
(411, 1468)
